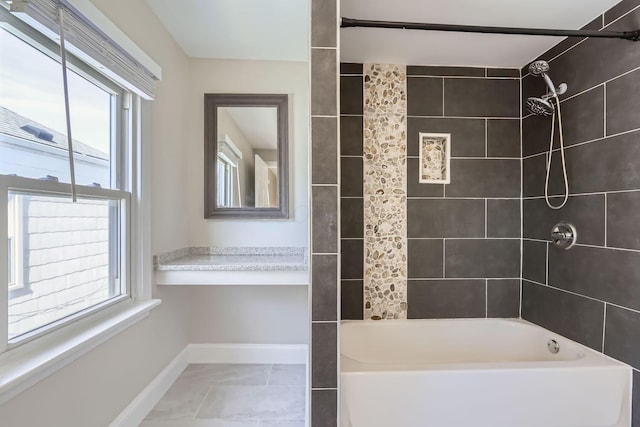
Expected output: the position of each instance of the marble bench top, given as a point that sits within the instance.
(232, 259)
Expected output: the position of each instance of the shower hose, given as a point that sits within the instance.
(564, 164)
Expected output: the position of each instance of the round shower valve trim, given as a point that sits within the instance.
(564, 235)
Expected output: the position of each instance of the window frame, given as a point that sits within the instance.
(228, 182)
(16, 287)
(126, 181)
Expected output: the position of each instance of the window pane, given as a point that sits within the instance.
(66, 258)
(33, 139)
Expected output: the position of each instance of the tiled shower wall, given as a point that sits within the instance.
(463, 238)
(590, 293)
(325, 193)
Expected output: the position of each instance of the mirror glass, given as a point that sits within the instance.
(246, 155)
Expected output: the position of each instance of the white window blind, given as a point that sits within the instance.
(84, 40)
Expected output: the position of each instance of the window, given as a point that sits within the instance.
(65, 259)
(225, 180)
(33, 141)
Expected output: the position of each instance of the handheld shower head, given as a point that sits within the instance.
(538, 68)
(541, 68)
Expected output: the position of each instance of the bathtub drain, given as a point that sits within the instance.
(553, 346)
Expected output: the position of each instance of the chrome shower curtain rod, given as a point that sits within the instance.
(626, 35)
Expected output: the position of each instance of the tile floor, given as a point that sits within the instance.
(218, 395)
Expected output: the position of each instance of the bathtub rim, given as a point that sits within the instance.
(593, 359)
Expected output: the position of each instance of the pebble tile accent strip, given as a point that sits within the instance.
(385, 190)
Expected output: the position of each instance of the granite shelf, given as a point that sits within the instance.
(215, 266)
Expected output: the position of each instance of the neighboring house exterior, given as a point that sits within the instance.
(59, 251)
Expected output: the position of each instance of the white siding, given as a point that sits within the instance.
(65, 260)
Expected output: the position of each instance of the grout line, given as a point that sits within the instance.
(619, 17)
(604, 125)
(595, 193)
(486, 138)
(435, 279)
(582, 92)
(465, 158)
(581, 295)
(546, 266)
(424, 76)
(444, 246)
(604, 138)
(202, 402)
(486, 218)
(568, 49)
(606, 226)
(270, 374)
(535, 282)
(600, 84)
(467, 198)
(521, 203)
(602, 21)
(459, 238)
(443, 96)
(604, 325)
(608, 247)
(532, 239)
(462, 117)
(486, 298)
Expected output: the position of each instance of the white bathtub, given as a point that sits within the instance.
(475, 373)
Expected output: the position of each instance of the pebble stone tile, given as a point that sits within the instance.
(433, 153)
(385, 191)
(230, 395)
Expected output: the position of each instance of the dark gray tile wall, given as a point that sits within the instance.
(325, 218)
(351, 183)
(465, 234)
(464, 237)
(590, 293)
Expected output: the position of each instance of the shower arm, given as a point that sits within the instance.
(626, 35)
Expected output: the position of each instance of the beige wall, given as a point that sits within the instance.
(235, 76)
(94, 389)
(250, 314)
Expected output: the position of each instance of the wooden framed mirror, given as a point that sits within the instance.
(246, 157)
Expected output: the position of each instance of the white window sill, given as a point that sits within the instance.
(26, 365)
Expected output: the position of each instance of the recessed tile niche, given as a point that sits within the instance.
(435, 158)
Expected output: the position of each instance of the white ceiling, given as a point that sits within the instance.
(463, 49)
(275, 30)
(259, 125)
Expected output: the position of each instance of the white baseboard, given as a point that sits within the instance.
(285, 354)
(135, 412)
